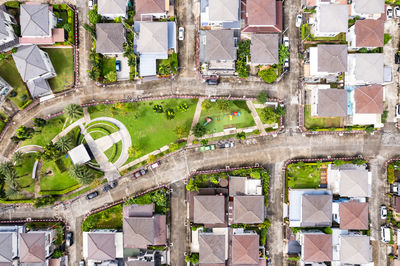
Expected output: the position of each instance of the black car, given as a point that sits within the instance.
(92, 195)
(107, 188)
(140, 173)
(68, 239)
(113, 184)
(212, 81)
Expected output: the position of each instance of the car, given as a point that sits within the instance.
(227, 145)
(113, 184)
(385, 234)
(207, 148)
(107, 188)
(286, 41)
(139, 173)
(92, 195)
(383, 212)
(68, 239)
(396, 12)
(286, 63)
(299, 20)
(155, 165)
(82, 263)
(118, 65)
(389, 12)
(181, 33)
(90, 4)
(212, 81)
(397, 111)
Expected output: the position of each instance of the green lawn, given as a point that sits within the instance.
(110, 218)
(24, 171)
(319, 122)
(9, 73)
(100, 129)
(44, 135)
(306, 176)
(224, 119)
(63, 63)
(59, 178)
(114, 152)
(149, 130)
(108, 65)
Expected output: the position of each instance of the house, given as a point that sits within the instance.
(213, 247)
(38, 25)
(217, 51)
(8, 38)
(112, 9)
(368, 105)
(365, 69)
(331, 19)
(101, 246)
(223, 14)
(35, 68)
(355, 249)
(147, 10)
(353, 215)
(366, 33)
(264, 49)
(35, 247)
(5, 89)
(248, 209)
(79, 155)
(263, 16)
(310, 208)
(9, 248)
(142, 228)
(368, 8)
(245, 247)
(316, 247)
(328, 60)
(154, 42)
(209, 209)
(326, 102)
(239, 185)
(110, 38)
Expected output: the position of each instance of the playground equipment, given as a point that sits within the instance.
(208, 120)
(233, 114)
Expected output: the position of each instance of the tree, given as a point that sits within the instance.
(241, 135)
(111, 76)
(204, 142)
(17, 157)
(83, 173)
(5, 167)
(43, 201)
(39, 122)
(268, 115)
(94, 18)
(73, 111)
(369, 129)
(223, 105)
(280, 110)
(64, 144)
(50, 152)
(24, 132)
(206, 104)
(268, 75)
(67, 27)
(91, 30)
(181, 131)
(262, 97)
(283, 53)
(199, 130)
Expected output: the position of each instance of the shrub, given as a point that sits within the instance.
(158, 108)
(13, 94)
(328, 230)
(192, 258)
(111, 76)
(57, 254)
(280, 110)
(369, 129)
(387, 37)
(390, 174)
(241, 135)
(268, 75)
(24, 132)
(206, 104)
(43, 201)
(39, 122)
(384, 116)
(173, 146)
(199, 130)
(263, 236)
(170, 114)
(262, 97)
(339, 162)
(204, 142)
(12, 4)
(183, 107)
(255, 175)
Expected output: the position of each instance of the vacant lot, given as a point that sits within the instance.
(320, 122)
(304, 175)
(63, 63)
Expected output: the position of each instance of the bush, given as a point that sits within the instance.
(170, 114)
(206, 104)
(192, 258)
(241, 135)
(158, 109)
(384, 116)
(173, 146)
(242, 68)
(369, 129)
(263, 236)
(183, 107)
(199, 130)
(262, 97)
(39, 122)
(204, 142)
(43, 201)
(268, 75)
(12, 4)
(387, 38)
(328, 230)
(390, 174)
(57, 254)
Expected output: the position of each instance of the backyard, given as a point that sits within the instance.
(225, 114)
(110, 218)
(109, 69)
(320, 122)
(63, 63)
(303, 175)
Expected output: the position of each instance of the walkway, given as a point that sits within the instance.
(30, 149)
(65, 131)
(256, 118)
(196, 118)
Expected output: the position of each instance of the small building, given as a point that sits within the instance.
(8, 38)
(147, 10)
(112, 9)
(223, 14)
(239, 185)
(331, 19)
(368, 105)
(263, 16)
(245, 247)
(248, 209)
(368, 8)
(264, 49)
(365, 69)
(79, 155)
(213, 247)
(354, 183)
(366, 33)
(355, 249)
(328, 60)
(110, 38)
(35, 247)
(99, 246)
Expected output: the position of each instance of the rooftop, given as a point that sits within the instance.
(317, 247)
(35, 20)
(209, 209)
(149, 7)
(369, 6)
(333, 18)
(220, 45)
(369, 33)
(32, 247)
(369, 67)
(110, 38)
(30, 62)
(332, 58)
(245, 249)
(79, 155)
(332, 103)
(224, 10)
(212, 248)
(354, 183)
(355, 249)
(248, 209)
(316, 210)
(369, 99)
(101, 246)
(264, 49)
(353, 215)
(112, 7)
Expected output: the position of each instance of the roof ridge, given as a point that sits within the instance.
(219, 44)
(99, 248)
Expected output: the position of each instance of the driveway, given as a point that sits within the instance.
(125, 68)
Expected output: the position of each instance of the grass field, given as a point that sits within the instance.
(319, 122)
(306, 176)
(223, 119)
(24, 172)
(63, 63)
(110, 218)
(108, 65)
(44, 135)
(9, 73)
(149, 130)
(60, 178)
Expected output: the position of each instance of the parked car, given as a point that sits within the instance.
(181, 33)
(383, 212)
(90, 4)
(286, 63)
(397, 111)
(207, 148)
(286, 41)
(139, 173)
(114, 183)
(92, 195)
(212, 81)
(385, 234)
(227, 145)
(107, 188)
(299, 20)
(397, 12)
(389, 12)
(82, 263)
(155, 165)
(68, 239)
(118, 65)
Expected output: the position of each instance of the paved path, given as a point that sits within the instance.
(30, 149)
(86, 114)
(104, 143)
(196, 118)
(256, 118)
(65, 131)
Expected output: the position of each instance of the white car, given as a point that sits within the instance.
(389, 12)
(398, 111)
(383, 212)
(286, 41)
(385, 234)
(90, 4)
(299, 20)
(397, 12)
(286, 63)
(181, 33)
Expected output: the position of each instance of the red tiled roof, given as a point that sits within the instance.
(397, 204)
(264, 16)
(317, 247)
(369, 33)
(369, 99)
(245, 249)
(32, 247)
(148, 7)
(353, 215)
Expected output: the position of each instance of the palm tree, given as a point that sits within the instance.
(64, 144)
(17, 157)
(10, 179)
(5, 167)
(82, 173)
(73, 111)
(11, 192)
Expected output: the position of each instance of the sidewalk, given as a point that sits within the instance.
(143, 158)
(196, 118)
(256, 118)
(65, 131)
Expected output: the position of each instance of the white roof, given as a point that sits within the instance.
(79, 155)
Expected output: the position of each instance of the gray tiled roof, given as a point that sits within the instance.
(264, 49)
(248, 209)
(332, 103)
(224, 10)
(101, 246)
(369, 6)
(110, 38)
(316, 210)
(369, 67)
(332, 58)
(34, 20)
(212, 248)
(354, 183)
(153, 38)
(112, 7)
(333, 18)
(39, 87)
(29, 62)
(355, 249)
(6, 247)
(219, 45)
(209, 209)
(3, 30)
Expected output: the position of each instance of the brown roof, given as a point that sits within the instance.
(353, 215)
(397, 204)
(101, 246)
(369, 99)
(148, 7)
(248, 209)
(237, 185)
(245, 249)
(140, 232)
(136, 210)
(263, 16)
(332, 58)
(332, 103)
(369, 33)
(32, 247)
(317, 247)
(212, 248)
(316, 210)
(209, 209)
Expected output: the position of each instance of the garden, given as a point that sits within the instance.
(66, 18)
(63, 63)
(393, 172)
(270, 115)
(167, 66)
(314, 123)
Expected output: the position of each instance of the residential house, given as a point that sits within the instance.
(38, 25)
(239, 185)
(218, 52)
(155, 41)
(5, 89)
(35, 68)
(263, 16)
(147, 10)
(327, 60)
(35, 247)
(248, 209)
(366, 33)
(213, 247)
(310, 208)
(102, 245)
(264, 49)
(331, 19)
(355, 249)
(367, 104)
(245, 247)
(9, 248)
(365, 69)
(110, 38)
(316, 247)
(209, 209)
(327, 102)
(223, 14)
(112, 9)
(8, 38)
(368, 8)
(353, 215)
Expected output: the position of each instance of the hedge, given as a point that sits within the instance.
(390, 174)
(59, 192)
(16, 201)
(26, 104)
